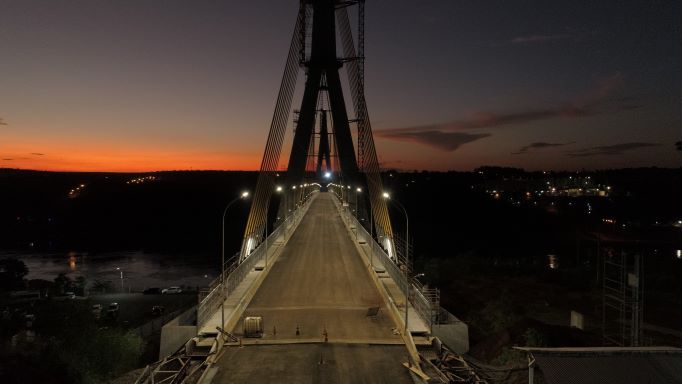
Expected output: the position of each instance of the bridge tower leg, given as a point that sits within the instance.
(322, 65)
(323, 153)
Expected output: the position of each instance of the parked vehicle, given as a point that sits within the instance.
(30, 319)
(158, 310)
(171, 290)
(112, 310)
(97, 310)
(152, 291)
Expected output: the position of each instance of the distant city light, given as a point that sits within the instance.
(679, 253)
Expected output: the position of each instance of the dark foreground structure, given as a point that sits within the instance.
(607, 365)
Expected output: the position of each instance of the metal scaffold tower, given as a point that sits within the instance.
(622, 299)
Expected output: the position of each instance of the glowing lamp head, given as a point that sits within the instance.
(279, 189)
(386, 195)
(327, 174)
(359, 190)
(245, 194)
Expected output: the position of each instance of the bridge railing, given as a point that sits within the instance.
(378, 253)
(236, 272)
(426, 301)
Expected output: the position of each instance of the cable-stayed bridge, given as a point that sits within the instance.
(322, 290)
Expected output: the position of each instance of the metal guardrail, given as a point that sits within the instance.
(379, 254)
(426, 301)
(236, 272)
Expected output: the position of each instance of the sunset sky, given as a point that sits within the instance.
(137, 85)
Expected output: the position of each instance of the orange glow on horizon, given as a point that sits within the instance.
(110, 158)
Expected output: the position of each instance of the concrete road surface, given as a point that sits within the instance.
(314, 363)
(318, 283)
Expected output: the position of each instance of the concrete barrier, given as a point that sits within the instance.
(390, 303)
(452, 331)
(176, 332)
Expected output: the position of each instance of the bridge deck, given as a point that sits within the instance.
(318, 282)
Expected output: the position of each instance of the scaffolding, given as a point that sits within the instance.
(622, 298)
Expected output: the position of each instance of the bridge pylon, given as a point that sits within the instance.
(314, 48)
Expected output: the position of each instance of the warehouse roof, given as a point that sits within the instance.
(639, 365)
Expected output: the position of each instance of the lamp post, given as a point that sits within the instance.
(119, 269)
(407, 254)
(267, 209)
(357, 190)
(243, 195)
(371, 235)
(348, 211)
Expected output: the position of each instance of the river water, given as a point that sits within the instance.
(134, 270)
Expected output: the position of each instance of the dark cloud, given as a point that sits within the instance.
(491, 119)
(537, 146)
(538, 39)
(37, 154)
(7, 159)
(679, 145)
(594, 101)
(445, 141)
(2, 121)
(611, 150)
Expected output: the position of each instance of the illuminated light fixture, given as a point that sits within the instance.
(359, 190)
(386, 195)
(327, 174)
(245, 194)
(279, 188)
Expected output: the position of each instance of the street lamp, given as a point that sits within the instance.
(357, 190)
(242, 196)
(267, 209)
(407, 254)
(119, 269)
